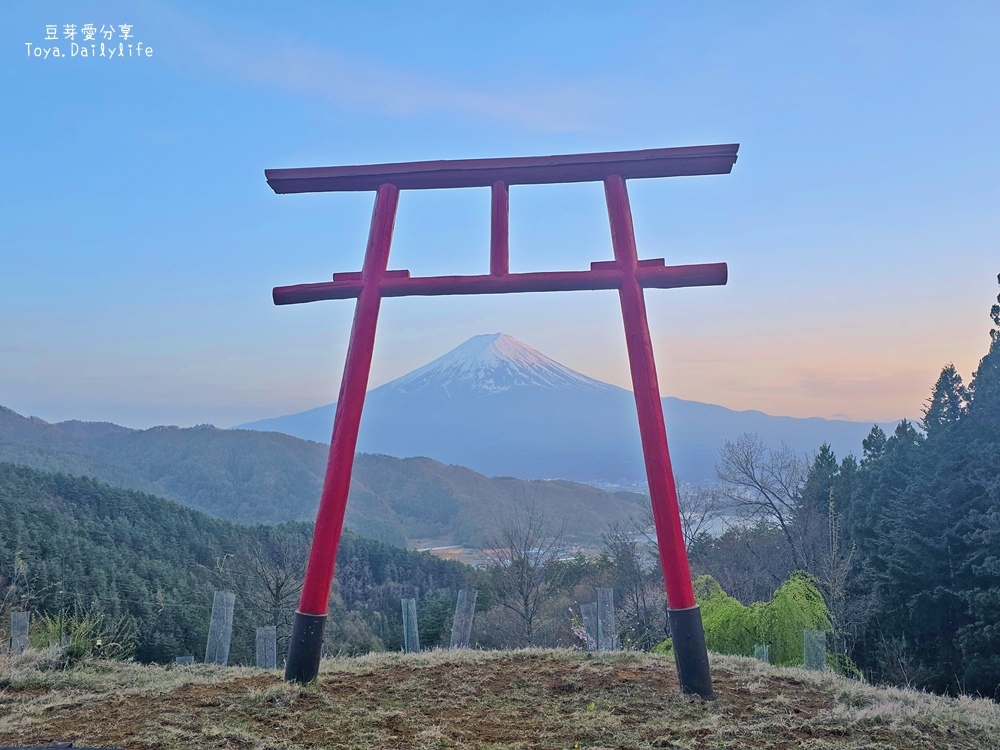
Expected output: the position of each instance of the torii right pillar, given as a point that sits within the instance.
(690, 651)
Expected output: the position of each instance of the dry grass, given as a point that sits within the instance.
(513, 699)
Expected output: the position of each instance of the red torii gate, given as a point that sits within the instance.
(626, 273)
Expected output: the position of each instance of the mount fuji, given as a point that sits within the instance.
(499, 407)
(490, 364)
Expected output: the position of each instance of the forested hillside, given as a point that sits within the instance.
(257, 477)
(238, 476)
(924, 512)
(904, 542)
(76, 547)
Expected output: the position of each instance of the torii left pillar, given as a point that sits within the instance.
(306, 642)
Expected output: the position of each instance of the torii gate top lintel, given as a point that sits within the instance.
(499, 174)
(530, 170)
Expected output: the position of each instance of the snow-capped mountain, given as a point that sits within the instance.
(493, 362)
(499, 407)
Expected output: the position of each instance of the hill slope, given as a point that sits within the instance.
(498, 406)
(475, 699)
(258, 477)
(71, 544)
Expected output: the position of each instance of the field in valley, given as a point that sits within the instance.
(476, 699)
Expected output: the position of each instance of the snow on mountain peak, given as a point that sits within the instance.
(490, 363)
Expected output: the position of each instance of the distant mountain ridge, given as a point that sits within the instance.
(500, 407)
(492, 404)
(266, 477)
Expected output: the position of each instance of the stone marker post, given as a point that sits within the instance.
(267, 647)
(465, 610)
(814, 649)
(588, 612)
(411, 638)
(607, 633)
(220, 631)
(19, 632)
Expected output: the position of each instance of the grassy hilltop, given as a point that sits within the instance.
(476, 699)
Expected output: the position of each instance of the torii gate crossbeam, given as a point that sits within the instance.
(626, 273)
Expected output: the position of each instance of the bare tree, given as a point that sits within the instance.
(835, 570)
(270, 567)
(702, 509)
(22, 590)
(765, 485)
(520, 552)
(749, 562)
(637, 583)
(16, 590)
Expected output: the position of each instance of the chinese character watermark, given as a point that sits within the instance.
(88, 41)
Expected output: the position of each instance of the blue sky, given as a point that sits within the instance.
(139, 241)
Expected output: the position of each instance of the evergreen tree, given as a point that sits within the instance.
(985, 386)
(947, 403)
(873, 446)
(820, 480)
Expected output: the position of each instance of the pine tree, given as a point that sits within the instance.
(873, 446)
(947, 403)
(822, 475)
(985, 386)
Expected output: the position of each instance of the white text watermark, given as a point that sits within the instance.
(88, 41)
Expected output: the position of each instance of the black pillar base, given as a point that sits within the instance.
(305, 648)
(690, 653)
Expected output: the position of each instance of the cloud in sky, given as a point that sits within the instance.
(294, 65)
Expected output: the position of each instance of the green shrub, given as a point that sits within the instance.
(733, 628)
(666, 648)
(88, 634)
(796, 606)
